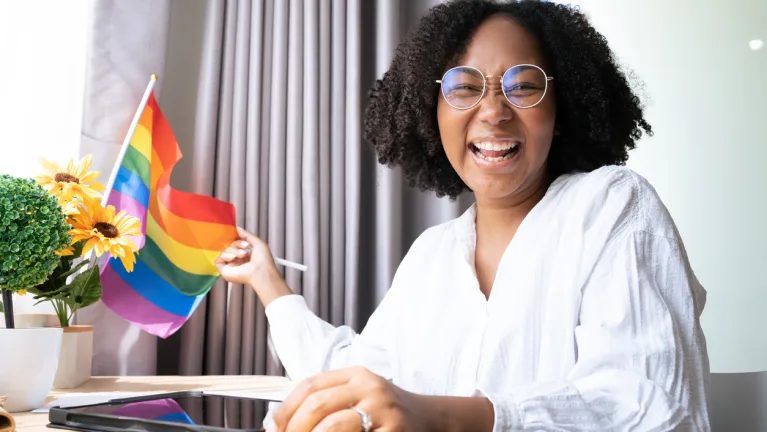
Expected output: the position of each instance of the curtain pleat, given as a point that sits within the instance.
(278, 110)
(352, 141)
(237, 173)
(293, 230)
(324, 105)
(249, 340)
(337, 157)
(310, 179)
(267, 362)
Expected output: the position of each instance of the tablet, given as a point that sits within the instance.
(181, 411)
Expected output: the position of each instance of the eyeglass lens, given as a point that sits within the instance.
(524, 86)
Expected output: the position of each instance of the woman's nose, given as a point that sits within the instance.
(494, 108)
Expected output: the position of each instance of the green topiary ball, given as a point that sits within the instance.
(32, 228)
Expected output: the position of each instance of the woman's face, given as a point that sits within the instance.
(499, 150)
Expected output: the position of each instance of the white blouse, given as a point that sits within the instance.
(592, 323)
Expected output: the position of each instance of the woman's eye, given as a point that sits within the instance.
(466, 87)
(522, 88)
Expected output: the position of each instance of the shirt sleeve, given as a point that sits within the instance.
(641, 362)
(307, 345)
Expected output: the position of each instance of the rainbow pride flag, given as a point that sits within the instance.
(182, 233)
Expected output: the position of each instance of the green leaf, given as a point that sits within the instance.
(74, 269)
(85, 289)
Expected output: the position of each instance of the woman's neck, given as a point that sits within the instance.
(501, 218)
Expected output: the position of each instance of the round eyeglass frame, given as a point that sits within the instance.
(500, 79)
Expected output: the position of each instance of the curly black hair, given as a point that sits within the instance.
(598, 117)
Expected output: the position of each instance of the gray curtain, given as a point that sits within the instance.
(277, 131)
(279, 103)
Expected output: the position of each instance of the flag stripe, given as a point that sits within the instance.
(128, 183)
(191, 206)
(199, 234)
(136, 162)
(124, 301)
(192, 260)
(188, 283)
(154, 289)
(161, 132)
(139, 140)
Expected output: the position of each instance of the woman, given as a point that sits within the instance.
(562, 300)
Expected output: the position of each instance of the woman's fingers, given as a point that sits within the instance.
(308, 386)
(232, 253)
(344, 420)
(319, 405)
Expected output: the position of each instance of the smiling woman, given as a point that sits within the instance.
(561, 300)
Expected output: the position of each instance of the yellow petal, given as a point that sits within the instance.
(65, 252)
(128, 262)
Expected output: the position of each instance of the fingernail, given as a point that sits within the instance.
(244, 244)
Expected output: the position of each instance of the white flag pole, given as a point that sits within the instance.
(290, 264)
(126, 141)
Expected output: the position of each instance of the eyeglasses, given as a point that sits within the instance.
(524, 86)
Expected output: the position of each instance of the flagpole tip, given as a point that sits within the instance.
(154, 77)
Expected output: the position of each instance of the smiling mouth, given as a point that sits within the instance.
(495, 151)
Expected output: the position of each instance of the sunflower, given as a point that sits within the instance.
(71, 182)
(103, 231)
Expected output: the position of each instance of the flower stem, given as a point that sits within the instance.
(62, 311)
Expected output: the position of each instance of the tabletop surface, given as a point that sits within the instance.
(28, 421)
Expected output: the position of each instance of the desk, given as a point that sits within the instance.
(35, 422)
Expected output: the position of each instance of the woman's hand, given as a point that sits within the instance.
(325, 401)
(245, 259)
(249, 261)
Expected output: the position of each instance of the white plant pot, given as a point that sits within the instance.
(76, 357)
(28, 362)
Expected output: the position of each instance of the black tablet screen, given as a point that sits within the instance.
(205, 411)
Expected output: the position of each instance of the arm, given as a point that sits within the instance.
(305, 343)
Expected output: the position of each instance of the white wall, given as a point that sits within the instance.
(706, 94)
(42, 47)
(42, 53)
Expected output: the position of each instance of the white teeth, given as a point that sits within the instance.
(495, 159)
(495, 146)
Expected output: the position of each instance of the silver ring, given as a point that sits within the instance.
(365, 420)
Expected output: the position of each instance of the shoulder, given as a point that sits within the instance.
(618, 196)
